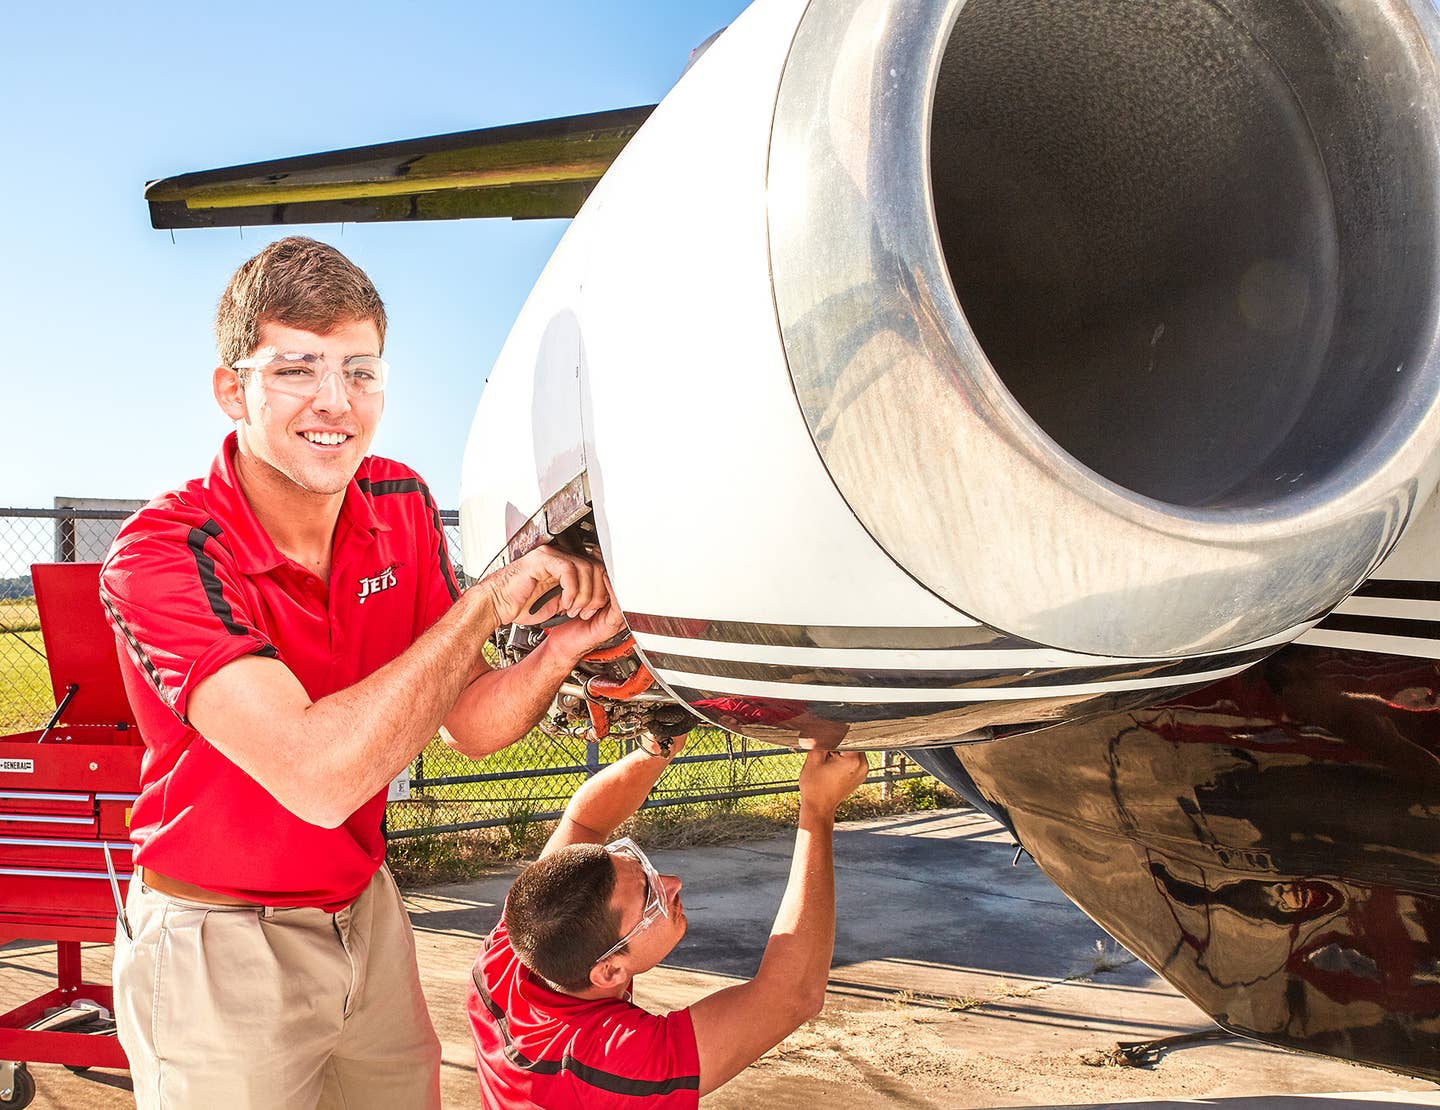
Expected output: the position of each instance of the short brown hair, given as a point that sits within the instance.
(559, 914)
(300, 283)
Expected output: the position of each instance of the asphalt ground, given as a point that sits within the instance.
(959, 981)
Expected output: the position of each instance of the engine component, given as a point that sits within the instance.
(1035, 359)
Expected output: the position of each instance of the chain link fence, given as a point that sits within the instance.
(76, 530)
(528, 781)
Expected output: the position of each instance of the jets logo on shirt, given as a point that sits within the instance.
(376, 583)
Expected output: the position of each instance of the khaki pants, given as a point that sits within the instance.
(222, 1007)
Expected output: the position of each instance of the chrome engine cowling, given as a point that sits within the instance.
(1034, 359)
(1141, 297)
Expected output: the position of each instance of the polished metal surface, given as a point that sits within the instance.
(1270, 844)
(889, 726)
(1114, 322)
(862, 688)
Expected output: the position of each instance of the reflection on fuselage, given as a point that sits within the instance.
(1270, 844)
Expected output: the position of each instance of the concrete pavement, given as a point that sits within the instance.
(959, 981)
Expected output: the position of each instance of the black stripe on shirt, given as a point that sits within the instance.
(146, 663)
(210, 580)
(442, 550)
(166, 695)
(393, 485)
(415, 485)
(585, 1073)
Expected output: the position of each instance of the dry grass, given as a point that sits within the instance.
(953, 1004)
(19, 615)
(1108, 957)
(1006, 990)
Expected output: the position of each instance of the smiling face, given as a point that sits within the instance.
(303, 445)
(656, 941)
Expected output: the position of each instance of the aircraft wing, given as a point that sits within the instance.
(528, 171)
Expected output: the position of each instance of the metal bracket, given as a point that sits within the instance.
(562, 509)
(70, 692)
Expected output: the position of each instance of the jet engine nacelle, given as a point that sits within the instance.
(928, 367)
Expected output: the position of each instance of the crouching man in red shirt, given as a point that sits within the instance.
(550, 998)
(291, 635)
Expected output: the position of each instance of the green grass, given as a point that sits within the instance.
(26, 700)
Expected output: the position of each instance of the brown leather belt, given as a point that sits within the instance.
(178, 888)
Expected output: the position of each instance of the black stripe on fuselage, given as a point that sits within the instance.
(586, 1073)
(875, 678)
(1400, 589)
(1381, 626)
(825, 636)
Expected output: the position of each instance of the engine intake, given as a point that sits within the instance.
(1141, 294)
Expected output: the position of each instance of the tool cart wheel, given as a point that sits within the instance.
(22, 1089)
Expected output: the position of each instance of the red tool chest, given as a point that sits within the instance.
(65, 797)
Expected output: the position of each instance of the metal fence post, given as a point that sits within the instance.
(592, 758)
(885, 772)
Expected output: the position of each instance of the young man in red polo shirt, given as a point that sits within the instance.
(291, 635)
(550, 997)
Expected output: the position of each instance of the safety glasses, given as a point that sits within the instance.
(301, 375)
(655, 903)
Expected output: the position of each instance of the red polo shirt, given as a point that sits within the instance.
(193, 582)
(537, 1047)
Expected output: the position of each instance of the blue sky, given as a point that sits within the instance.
(109, 323)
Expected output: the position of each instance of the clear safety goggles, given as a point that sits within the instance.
(656, 905)
(301, 375)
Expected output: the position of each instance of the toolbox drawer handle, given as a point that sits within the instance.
(47, 842)
(42, 796)
(46, 819)
(117, 797)
(45, 873)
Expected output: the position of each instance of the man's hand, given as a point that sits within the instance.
(659, 744)
(498, 707)
(828, 778)
(576, 639)
(517, 587)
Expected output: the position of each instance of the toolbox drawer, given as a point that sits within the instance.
(113, 814)
(59, 854)
(64, 768)
(56, 803)
(44, 824)
(37, 898)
